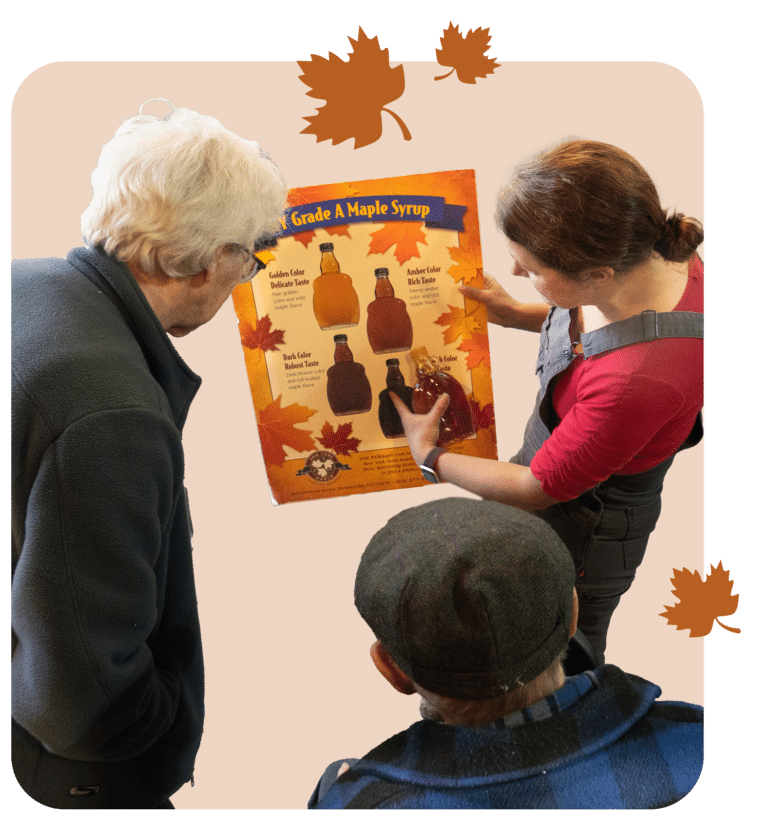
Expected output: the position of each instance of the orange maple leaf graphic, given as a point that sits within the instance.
(355, 92)
(265, 257)
(457, 324)
(305, 237)
(338, 230)
(339, 441)
(404, 235)
(469, 263)
(260, 336)
(277, 430)
(310, 194)
(478, 349)
(701, 602)
(465, 54)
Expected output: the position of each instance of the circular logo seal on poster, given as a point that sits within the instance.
(322, 466)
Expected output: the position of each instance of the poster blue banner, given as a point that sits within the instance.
(433, 211)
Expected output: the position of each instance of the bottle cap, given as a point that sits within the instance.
(341, 337)
(381, 273)
(393, 362)
(423, 360)
(326, 246)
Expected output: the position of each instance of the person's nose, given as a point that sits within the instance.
(518, 270)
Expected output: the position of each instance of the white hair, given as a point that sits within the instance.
(167, 193)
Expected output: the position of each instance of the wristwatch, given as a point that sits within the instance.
(428, 467)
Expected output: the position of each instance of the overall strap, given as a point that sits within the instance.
(645, 327)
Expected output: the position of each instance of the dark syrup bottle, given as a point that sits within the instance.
(389, 325)
(456, 423)
(349, 390)
(389, 418)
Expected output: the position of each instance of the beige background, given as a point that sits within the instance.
(290, 686)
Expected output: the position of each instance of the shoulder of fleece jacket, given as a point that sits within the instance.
(69, 342)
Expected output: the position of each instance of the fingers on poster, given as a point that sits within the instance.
(701, 602)
(358, 90)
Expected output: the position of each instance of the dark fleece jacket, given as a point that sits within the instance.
(107, 669)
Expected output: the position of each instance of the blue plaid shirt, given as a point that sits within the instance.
(601, 741)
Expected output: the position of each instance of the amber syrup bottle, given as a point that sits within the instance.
(335, 302)
(456, 423)
(389, 418)
(389, 325)
(349, 390)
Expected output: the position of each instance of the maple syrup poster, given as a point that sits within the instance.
(359, 297)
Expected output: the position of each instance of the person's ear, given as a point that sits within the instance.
(599, 276)
(574, 614)
(390, 671)
(199, 279)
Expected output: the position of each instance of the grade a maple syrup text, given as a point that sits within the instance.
(355, 208)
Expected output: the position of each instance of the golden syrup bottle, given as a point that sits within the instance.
(335, 301)
(349, 390)
(389, 418)
(389, 325)
(456, 423)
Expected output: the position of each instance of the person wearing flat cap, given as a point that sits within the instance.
(472, 603)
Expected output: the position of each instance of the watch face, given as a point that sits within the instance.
(429, 474)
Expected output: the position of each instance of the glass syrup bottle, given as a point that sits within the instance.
(456, 423)
(335, 302)
(389, 325)
(389, 418)
(349, 390)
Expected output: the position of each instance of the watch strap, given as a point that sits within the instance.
(432, 456)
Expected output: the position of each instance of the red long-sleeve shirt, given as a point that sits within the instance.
(624, 411)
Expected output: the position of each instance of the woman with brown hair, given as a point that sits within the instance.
(620, 362)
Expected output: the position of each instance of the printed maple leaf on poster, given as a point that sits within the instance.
(701, 602)
(477, 349)
(265, 257)
(457, 324)
(404, 235)
(261, 336)
(469, 264)
(306, 237)
(355, 91)
(484, 418)
(277, 429)
(310, 194)
(340, 440)
(465, 54)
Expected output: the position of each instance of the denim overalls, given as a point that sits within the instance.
(606, 528)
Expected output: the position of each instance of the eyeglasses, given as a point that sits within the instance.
(256, 264)
(253, 268)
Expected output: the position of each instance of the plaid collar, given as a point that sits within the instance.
(573, 689)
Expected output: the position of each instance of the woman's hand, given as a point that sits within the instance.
(501, 481)
(502, 309)
(421, 430)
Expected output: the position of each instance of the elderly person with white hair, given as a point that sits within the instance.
(107, 671)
